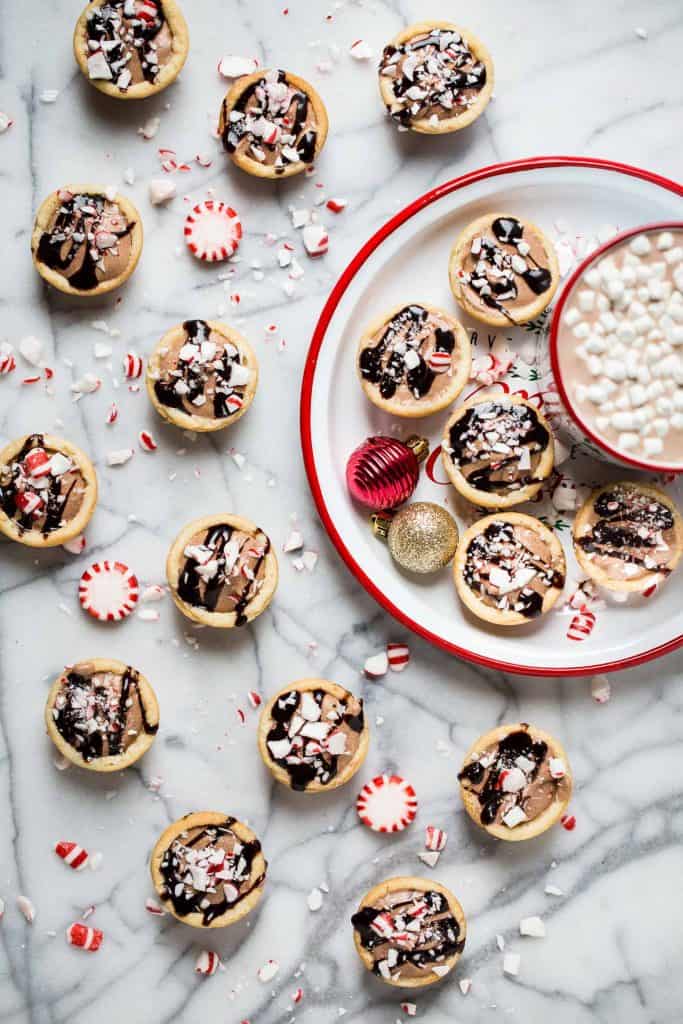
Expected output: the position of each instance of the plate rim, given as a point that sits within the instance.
(306, 435)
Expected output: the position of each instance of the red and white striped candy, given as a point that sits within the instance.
(76, 545)
(316, 240)
(435, 838)
(132, 366)
(298, 995)
(147, 11)
(72, 854)
(399, 656)
(153, 908)
(439, 361)
(79, 934)
(234, 404)
(254, 698)
(387, 804)
(212, 231)
(383, 924)
(108, 591)
(113, 413)
(37, 462)
(29, 502)
(336, 205)
(207, 963)
(7, 361)
(581, 625)
(147, 442)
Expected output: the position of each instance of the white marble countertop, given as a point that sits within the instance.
(574, 78)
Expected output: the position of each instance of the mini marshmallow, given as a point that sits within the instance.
(640, 245)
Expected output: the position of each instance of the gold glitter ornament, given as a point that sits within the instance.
(421, 537)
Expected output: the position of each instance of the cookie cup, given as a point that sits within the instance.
(205, 819)
(461, 251)
(545, 820)
(414, 884)
(176, 559)
(447, 124)
(191, 421)
(34, 538)
(141, 90)
(500, 616)
(141, 744)
(44, 218)
(266, 721)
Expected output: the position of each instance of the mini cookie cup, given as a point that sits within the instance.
(461, 251)
(255, 167)
(494, 499)
(266, 721)
(142, 743)
(544, 821)
(176, 558)
(205, 819)
(447, 124)
(411, 883)
(141, 90)
(461, 357)
(35, 538)
(499, 616)
(43, 221)
(192, 421)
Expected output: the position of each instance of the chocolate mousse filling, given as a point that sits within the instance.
(207, 870)
(314, 735)
(41, 489)
(506, 268)
(272, 122)
(100, 714)
(224, 570)
(409, 934)
(511, 567)
(88, 240)
(129, 41)
(515, 780)
(397, 359)
(497, 447)
(631, 534)
(201, 373)
(434, 75)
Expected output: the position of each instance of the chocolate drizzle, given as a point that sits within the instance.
(496, 270)
(398, 358)
(117, 31)
(15, 481)
(198, 881)
(273, 121)
(186, 383)
(93, 717)
(70, 246)
(489, 769)
(389, 932)
(497, 446)
(433, 75)
(202, 590)
(305, 734)
(630, 528)
(525, 576)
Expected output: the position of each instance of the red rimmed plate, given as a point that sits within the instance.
(582, 200)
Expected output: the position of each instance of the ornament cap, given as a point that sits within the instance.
(419, 446)
(380, 525)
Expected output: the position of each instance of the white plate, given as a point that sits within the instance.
(406, 261)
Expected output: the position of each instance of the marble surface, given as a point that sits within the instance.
(572, 78)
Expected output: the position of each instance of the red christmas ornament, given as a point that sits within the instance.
(383, 471)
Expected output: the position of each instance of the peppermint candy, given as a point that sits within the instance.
(212, 231)
(232, 66)
(153, 908)
(7, 361)
(147, 442)
(76, 545)
(581, 626)
(601, 690)
(376, 665)
(435, 838)
(207, 963)
(233, 403)
(108, 591)
(439, 361)
(268, 971)
(316, 240)
(80, 935)
(398, 656)
(387, 804)
(72, 854)
(132, 366)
